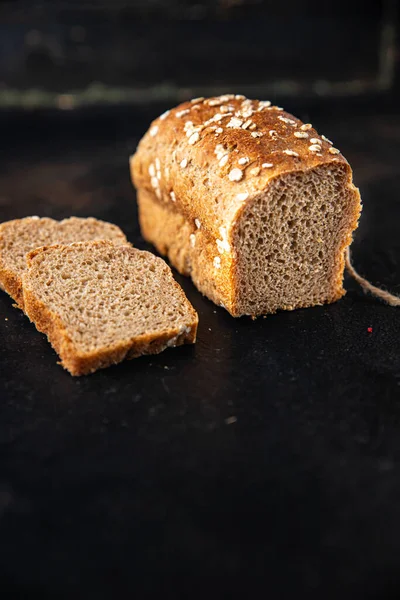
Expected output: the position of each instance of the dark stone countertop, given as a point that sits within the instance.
(136, 481)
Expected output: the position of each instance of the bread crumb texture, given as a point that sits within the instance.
(99, 303)
(275, 200)
(20, 236)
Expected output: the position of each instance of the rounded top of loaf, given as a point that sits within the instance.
(209, 156)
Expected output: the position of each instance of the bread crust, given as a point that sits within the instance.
(82, 363)
(189, 199)
(202, 188)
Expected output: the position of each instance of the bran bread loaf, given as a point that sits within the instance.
(253, 204)
(99, 303)
(20, 236)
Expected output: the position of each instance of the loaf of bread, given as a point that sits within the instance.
(99, 303)
(253, 204)
(20, 236)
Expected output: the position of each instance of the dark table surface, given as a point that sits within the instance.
(263, 462)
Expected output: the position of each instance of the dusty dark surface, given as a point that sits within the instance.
(135, 482)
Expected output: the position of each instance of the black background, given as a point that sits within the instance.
(265, 460)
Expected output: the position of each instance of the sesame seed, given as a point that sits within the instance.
(227, 97)
(244, 160)
(158, 164)
(334, 151)
(256, 134)
(188, 125)
(239, 97)
(220, 246)
(273, 133)
(253, 126)
(255, 171)
(224, 109)
(154, 182)
(247, 112)
(164, 115)
(154, 130)
(184, 163)
(315, 141)
(223, 244)
(197, 100)
(152, 170)
(192, 239)
(219, 151)
(217, 262)
(173, 197)
(264, 104)
(217, 117)
(235, 175)
(223, 233)
(306, 126)
(288, 121)
(166, 172)
(180, 113)
(290, 153)
(326, 140)
(242, 197)
(235, 122)
(314, 148)
(219, 130)
(267, 165)
(193, 130)
(301, 134)
(223, 160)
(214, 102)
(277, 107)
(197, 223)
(246, 125)
(194, 138)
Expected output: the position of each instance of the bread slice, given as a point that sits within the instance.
(256, 206)
(99, 303)
(20, 236)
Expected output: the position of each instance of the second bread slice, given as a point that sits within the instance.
(99, 303)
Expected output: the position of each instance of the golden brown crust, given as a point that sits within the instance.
(202, 189)
(78, 362)
(172, 234)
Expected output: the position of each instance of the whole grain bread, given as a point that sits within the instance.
(20, 236)
(99, 303)
(252, 203)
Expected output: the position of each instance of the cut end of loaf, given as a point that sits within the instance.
(99, 304)
(291, 240)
